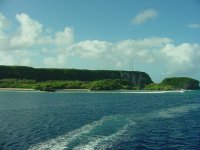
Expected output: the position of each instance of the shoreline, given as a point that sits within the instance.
(90, 91)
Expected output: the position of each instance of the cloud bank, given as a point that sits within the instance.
(31, 44)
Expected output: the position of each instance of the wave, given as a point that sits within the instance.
(91, 134)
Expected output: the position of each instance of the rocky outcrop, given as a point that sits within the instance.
(182, 83)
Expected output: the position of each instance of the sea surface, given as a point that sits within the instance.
(100, 121)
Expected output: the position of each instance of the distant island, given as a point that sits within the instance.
(50, 79)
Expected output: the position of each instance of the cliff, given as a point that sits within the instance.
(134, 78)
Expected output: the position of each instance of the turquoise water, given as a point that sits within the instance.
(42, 121)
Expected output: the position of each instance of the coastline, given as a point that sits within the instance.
(90, 91)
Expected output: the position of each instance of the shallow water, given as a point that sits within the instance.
(39, 120)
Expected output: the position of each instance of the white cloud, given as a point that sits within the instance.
(26, 45)
(58, 61)
(144, 16)
(6, 59)
(3, 24)
(65, 38)
(28, 33)
(45, 40)
(194, 26)
(15, 58)
(32, 33)
(182, 58)
(3, 21)
(90, 48)
(119, 64)
(143, 50)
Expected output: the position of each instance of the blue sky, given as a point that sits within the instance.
(162, 37)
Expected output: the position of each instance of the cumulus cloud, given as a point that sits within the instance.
(144, 16)
(15, 58)
(91, 48)
(59, 60)
(182, 58)
(28, 32)
(143, 50)
(3, 24)
(194, 26)
(31, 33)
(6, 58)
(3, 21)
(64, 38)
(29, 40)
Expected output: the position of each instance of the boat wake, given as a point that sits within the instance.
(177, 111)
(102, 134)
(91, 136)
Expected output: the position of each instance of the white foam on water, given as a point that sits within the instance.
(177, 111)
(104, 142)
(62, 142)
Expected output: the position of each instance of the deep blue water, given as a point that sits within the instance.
(39, 120)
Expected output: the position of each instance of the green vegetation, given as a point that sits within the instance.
(15, 83)
(55, 85)
(108, 85)
(175, 83)
(159, 87)
(182, 83)
(52, 79)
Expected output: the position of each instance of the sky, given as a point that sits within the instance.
(161, 38)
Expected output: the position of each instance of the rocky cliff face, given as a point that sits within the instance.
(135, 78)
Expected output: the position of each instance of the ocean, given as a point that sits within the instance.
(99, 120)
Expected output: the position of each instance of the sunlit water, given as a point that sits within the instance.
(42, 121)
